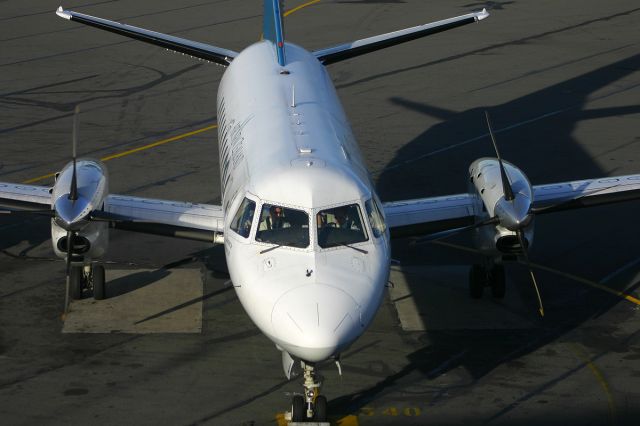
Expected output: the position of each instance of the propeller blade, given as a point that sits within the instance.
(73, 192)
(506, 184)
(444, 234)
(102, 216)
(69, 247)
(68, 281)
(74, 147)
(29, 212)
(525, 253)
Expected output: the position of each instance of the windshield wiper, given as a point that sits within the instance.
(289, 243)
(352, 247)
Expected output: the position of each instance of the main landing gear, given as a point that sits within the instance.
(90, 276)
(311, 406)
(482, 276)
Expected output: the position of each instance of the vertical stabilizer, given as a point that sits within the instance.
(272, 27)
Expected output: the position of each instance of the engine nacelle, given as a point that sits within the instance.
(495, 240)
(486, 183)
(90, 239)
(92, 184)
(485, 179)
(90, 243)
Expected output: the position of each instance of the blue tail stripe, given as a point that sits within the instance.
(272, 27)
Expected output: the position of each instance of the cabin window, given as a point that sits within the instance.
(283, 226)
(375, 218)
(340, 226)
(241, 223)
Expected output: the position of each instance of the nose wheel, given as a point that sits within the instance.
(311, 406)
(88, 276)
(481, 277)
(97, 278)
(320, 414)
(76, 282)
(298, 409)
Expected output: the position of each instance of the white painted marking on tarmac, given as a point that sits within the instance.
(620, 270)
(13, 225)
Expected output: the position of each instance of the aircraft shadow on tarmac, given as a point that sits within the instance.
(536, 147)
(134, 281)
(30, 230)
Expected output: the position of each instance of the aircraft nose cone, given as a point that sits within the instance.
(315, 322)
(68, 212)
(514, 214)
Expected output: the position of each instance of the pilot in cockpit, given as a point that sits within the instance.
(276, 218)
(342, 218)
(273, 217)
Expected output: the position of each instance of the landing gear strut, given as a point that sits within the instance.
(481, 276)
(311, 406)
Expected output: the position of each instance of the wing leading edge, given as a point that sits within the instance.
(199, 50)
(360, 47)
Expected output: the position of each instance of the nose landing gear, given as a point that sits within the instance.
(481, 276)
(311, 406)
(87, 276)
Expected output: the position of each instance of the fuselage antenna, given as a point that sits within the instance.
(293, 96)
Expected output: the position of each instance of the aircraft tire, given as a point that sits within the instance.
(477, 281)
(320, 412)
(498, 284)
(75, 282)
(97, 276)
(298, 409)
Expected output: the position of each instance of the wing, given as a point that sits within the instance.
(177, 44)
(434, 215)
(202, 222)
(24, 197)
(429, 215)
(371, 44)
(561, 196)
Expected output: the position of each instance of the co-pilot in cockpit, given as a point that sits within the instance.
(340, 225)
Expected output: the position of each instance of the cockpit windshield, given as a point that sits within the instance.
(283, 226)
(340, 226)
(241, 222)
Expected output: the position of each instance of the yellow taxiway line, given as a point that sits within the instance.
(134, 150)
(587, 282)
(302, 6)
(350, 420)
(576, 278)
(584, 357)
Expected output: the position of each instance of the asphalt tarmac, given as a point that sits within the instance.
(562, 83)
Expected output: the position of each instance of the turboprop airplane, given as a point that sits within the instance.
(307, 240)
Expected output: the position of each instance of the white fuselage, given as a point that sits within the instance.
(284, 140)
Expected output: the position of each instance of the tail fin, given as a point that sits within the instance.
(272, 27)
